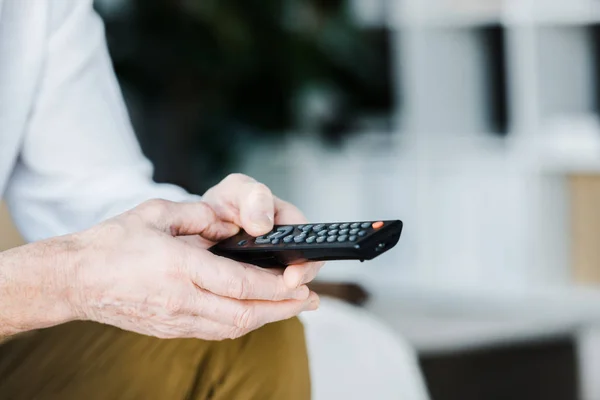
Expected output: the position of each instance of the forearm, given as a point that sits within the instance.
(35, 286)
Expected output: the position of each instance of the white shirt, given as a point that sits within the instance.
(68, 155)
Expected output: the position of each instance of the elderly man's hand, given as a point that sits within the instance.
(149, 270)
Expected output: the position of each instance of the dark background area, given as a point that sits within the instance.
(204, 79)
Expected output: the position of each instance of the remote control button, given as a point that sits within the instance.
(334, 226)
(323, 233)
(353, 238)
(344, 226)
(365, 225)
(342, 238)
(275, 241)
(311, 239)
(377, 225)
(299, 238)
(318, 228)
(355, 225)
(362, 233)
(331, 239)
(300, 227)
(281, 232)
(354, 231)
(343, 231)
(242, 243)
(306, 228)
(262, 240)
(321, 239)
(333, 232)
(288, 239)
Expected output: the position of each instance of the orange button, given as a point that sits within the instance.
(377, 225)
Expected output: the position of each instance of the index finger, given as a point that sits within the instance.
(287, 213)
(228, 278)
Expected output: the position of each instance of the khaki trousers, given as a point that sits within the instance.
(88, 361)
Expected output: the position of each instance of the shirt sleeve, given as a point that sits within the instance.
(80, 161)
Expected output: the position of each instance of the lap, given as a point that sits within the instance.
(92, 361)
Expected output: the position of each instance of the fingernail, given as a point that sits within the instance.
(262, 220)
(313, 304)
(302, 293)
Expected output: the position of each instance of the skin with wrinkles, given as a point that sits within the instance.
(149, 271)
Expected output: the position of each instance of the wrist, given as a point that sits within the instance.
(37, 285)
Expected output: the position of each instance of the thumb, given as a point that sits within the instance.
(187, 219)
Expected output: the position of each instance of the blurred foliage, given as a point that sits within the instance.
(202, 75)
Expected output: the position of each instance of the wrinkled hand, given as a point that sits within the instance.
(135, 271)
(248, 204)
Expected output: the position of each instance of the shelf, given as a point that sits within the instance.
(548, 13)
(438, 14)
(444, 13)
(569, 145)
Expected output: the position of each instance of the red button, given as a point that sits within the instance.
(377, 225)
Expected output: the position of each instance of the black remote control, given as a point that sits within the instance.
(296, 244)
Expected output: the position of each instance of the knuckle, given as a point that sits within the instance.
(174, 305)
(279, 290)
(262, 190)
(237, 178)
(235, 333)
(245, 320)
(206, 210)
(153, 209)
(239, 288)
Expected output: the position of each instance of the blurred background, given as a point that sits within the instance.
(476, 122)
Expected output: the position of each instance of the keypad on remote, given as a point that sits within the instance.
(315, 234)
(319, 228)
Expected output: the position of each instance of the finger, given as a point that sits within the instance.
(272, 271)
(242, 200)
(248, 315)
(229, 278)
(288, 214)
(297, 275)
(181, 219)
(256, 207)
